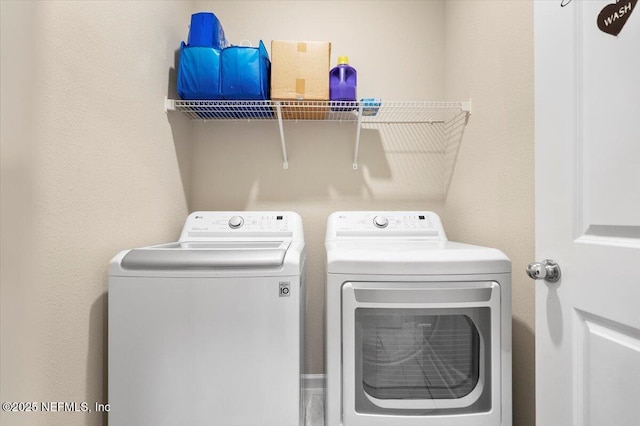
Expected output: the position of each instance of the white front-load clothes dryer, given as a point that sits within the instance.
(418, 328)
(207, 331)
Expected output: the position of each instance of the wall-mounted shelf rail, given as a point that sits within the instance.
(366, 114)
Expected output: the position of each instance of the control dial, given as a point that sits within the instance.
(380, 221)
(236, 222)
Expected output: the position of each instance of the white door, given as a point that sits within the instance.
(588, 214)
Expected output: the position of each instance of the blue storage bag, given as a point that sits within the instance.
(245, 73)
(199, 73)
(206, 31)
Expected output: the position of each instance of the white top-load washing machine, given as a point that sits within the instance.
(418, 328)
(208, 330)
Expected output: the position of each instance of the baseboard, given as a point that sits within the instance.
(313, 383)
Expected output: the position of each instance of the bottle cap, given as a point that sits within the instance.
(343, 60)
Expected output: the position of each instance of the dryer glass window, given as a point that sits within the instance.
(413, 355)
(421, 359)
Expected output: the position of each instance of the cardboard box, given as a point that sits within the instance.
(300, 72)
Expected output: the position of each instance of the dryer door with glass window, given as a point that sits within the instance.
(420, 349)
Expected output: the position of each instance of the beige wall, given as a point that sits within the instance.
(90, 166)
(489, 58)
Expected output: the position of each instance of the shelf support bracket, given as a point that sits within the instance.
(285, 161)
(466, 108)
(357, 147)
(169, 104)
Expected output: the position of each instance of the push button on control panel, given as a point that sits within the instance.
(236, 222)
(380, 221)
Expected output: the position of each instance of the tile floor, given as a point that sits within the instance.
(313, 407)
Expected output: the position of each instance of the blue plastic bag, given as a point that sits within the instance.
(206, 31)
(199, 73)
(245, 73)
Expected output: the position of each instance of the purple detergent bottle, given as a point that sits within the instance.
(342, 84)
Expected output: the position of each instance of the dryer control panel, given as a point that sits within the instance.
(420, 224)
(212, 225)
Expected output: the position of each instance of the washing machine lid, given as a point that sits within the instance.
(211, 259)
(384, 257)
(179, 256)
(222, 244)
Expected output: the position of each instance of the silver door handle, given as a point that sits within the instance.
(547, 270)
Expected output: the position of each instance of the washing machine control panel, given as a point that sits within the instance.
(414, 224)
(207, 225)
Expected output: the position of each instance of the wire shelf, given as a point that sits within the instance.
(400, 118)
(368, 111)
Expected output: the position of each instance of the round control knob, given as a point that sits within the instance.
(236, 222)
(380, 221)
